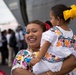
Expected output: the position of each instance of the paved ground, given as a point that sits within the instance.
(6, 69)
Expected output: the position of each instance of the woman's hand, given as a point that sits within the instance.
(34, 61)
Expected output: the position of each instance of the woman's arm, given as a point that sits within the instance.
(21, 71)
(41, 53)
(20, 64)
(68, 65)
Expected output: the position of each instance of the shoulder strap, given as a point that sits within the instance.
(57, 31)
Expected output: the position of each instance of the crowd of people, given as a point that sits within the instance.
(10, 43)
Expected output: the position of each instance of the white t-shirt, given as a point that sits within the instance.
(19, 36)
(8, 38)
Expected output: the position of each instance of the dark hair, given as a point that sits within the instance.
(10, 31)
(19, 28)
(48, 22)
(58, 11)
(4, 32)
(48, 25)
(40, 23)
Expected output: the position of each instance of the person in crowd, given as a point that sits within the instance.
(60, 43)
(33, 36)
(13, 42)
(1, 41)
(20, 38)
(10, 49)
(4, 48)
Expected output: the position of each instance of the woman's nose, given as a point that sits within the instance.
(31, 34)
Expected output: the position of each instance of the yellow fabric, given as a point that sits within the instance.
(70, 13)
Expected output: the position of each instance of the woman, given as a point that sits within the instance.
(33, 37)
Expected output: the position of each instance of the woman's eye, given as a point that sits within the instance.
(34, 31)
(27, 32)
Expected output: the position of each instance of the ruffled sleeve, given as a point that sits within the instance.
(20, 60)
(49, 36)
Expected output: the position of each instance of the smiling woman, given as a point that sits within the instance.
(33, 37)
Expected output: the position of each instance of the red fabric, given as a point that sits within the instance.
(2, 72)
(47, 26)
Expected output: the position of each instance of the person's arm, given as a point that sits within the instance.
(41, 53)
(43, 49)
(68, 65)
(21, 71)
(20, 64)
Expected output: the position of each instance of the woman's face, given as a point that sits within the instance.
(33, 35)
